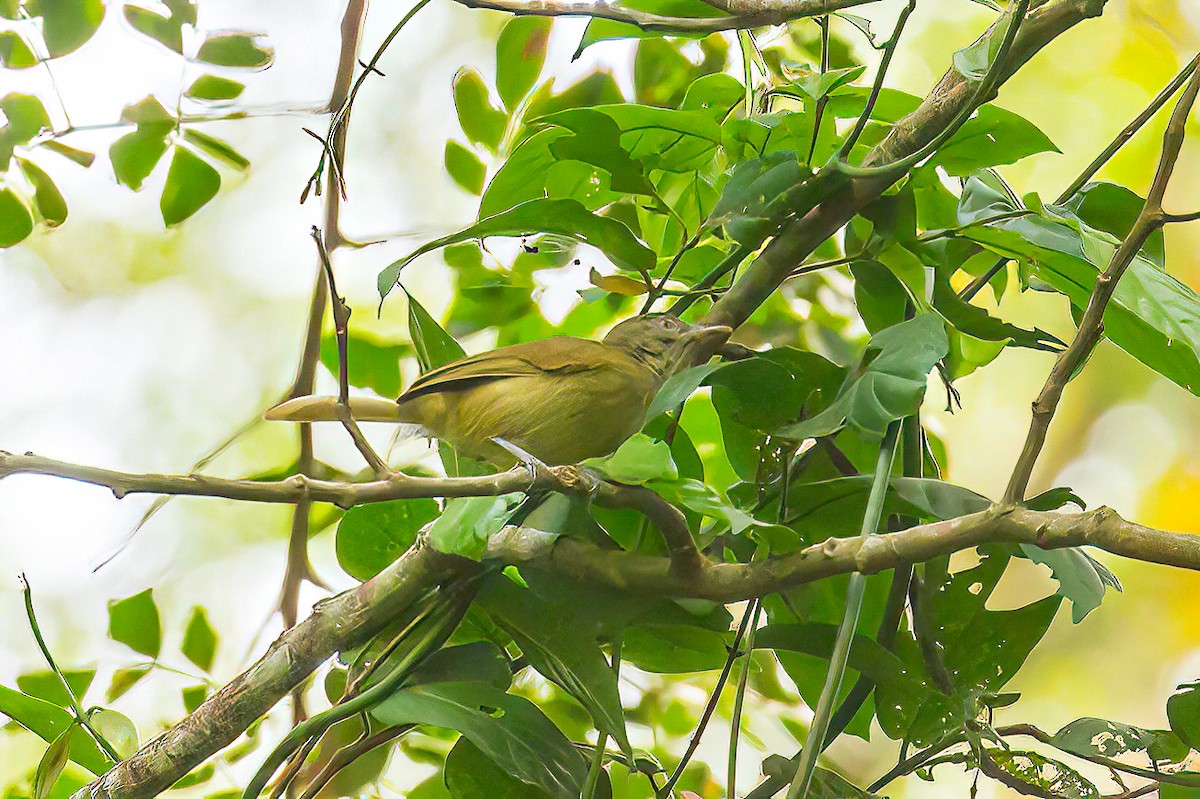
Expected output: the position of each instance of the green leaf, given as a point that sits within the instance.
(191, 182)
(816, 639)
(199, 640)
(164, 30)
(47, 199)
(48, 721)
(46, 685)
(52, 764)
(678, 387)
(470, 774)
(561, 651)
(1183, 712)
(992, 137)
(373, 364)
(1048, 776)
(14, 52)
(599, 30)
(16, 220)
(124, 679)
(465, 167)
(1151, 315)
(749, 207)
(816, 85)
(510, 730)
(467, 522)
(217, 148)
(974, 60)
(81, 157)
(637, 461)
(478, 661)
(214, 88)
(674, 648)
(520, 53)
(597, 140)
(565, 217)
(66, 24)
(237, 49)
(435, 347)
(134, 622)
(1089, 737)
(26, 117)
(661, 138)
(889, 382)
(1114, 209)
(1081, 578)
(370, 537)
(135, 155)
(480, 120)
(193, 696)
(117, 729)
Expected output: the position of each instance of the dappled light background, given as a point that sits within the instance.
(138, 348)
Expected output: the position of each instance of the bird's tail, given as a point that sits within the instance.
(324, 409)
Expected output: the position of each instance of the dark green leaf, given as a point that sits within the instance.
(519, 740)
(677, 388)
(470, 774)
(191, 182)
(235, 49)
(661, 138)
(370, 537)
(889, 382)
(14, 52)
(597, 140)
(599, 30)
(478, 661)
(561, 651)
(465, 167)
(50, 204)
(214, 88)
(674, 648)
(46, 685)
(520, 52)
(164, 30)
(1114, 209)
(373, 364)
(435, 347)
(199, 640)
(16, 220)
(52, 764)
(66, 24)
(48, 721)
(816, 639)
(480, 120)
(1183, 711)
(216, 147)
(134, 622)
(748, 206)
(565, 217)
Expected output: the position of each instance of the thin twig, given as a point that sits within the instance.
(889, 50)
(735, 720)
(1097, 163)
(1091, 325)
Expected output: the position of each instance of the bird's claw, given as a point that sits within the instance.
(531, 464)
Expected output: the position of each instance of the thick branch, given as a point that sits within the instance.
(740, 14)
(732, 582)
(342, 621)
(1091, 325)
(946, 102)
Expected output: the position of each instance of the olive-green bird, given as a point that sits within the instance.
(561, 399)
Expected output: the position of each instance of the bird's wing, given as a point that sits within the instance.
(551, 355)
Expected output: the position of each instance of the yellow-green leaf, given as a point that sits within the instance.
(191, 182)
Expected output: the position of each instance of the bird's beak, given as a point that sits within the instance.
(707, 334)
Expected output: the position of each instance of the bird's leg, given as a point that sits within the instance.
(534, 466)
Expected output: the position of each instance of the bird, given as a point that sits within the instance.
(559, 400)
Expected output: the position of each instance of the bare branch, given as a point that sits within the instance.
(1091, 325)
(740, 14)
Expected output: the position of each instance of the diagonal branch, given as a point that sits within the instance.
(945, 103)
(1091, 325)
(739, 14)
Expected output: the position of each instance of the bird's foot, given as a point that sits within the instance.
(532, 465)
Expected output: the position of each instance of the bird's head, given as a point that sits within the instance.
(666, 343)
